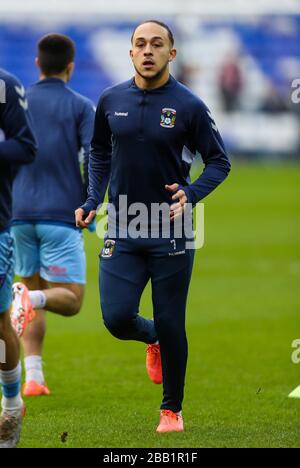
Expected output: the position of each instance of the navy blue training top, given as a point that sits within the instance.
(144, 140)
(17, 142)
(53, 187)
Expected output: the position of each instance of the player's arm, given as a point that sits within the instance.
(85, 131)
(208, 142)
(99, 168)
(205, 139)
(19, 146)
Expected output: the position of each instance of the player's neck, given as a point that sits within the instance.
(152, 84)
(60, 76)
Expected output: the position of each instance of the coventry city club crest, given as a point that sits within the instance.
(108, 248)
(168, 118)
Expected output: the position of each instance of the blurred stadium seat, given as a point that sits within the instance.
(257, 54)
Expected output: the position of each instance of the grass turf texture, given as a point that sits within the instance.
(243, 315)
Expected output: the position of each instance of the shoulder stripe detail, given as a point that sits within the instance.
(20, 90)
(187, 155)
(213, 123)
(24, 104)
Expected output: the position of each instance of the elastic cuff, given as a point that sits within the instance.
(175, 409)
(188, 192)
(89, 206)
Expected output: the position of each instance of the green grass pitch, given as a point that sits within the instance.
(243, 315)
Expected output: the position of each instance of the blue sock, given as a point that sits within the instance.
(11, 386)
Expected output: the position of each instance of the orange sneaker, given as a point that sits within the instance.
(33, 388)
(153, 363)
(22, 312)
(170, 422)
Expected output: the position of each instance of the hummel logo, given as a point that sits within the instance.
(174, 254)
(121, 114)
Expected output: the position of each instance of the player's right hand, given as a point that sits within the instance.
(83, 220)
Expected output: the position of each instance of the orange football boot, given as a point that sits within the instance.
(153, 363)
(170, 422)
(22, 312)
(33, 388)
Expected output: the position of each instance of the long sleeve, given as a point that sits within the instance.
(206, 139)
(19, 146)
(99, 161)
(86, 127)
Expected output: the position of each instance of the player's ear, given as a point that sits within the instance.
(70, 70)
(173, 53)
(131, 54)
(37, 62)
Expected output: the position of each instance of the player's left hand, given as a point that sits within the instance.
(177, 209)
(82, 219)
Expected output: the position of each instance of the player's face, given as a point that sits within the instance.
(151, 51)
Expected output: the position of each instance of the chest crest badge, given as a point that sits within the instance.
(168, 118)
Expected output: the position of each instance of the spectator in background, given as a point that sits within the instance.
(185, 74)
(231, 84)
(274, 102)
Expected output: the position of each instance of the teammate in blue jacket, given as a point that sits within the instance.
(17, 147)
(50, 254)
(147, 133)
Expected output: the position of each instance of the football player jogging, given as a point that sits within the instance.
(50, 257)
(147, 132)
(17, 147)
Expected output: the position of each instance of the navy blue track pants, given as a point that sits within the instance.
(126, 266)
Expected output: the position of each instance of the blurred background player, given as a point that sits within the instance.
(147, 133)
(17, 147)
(50, 255)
